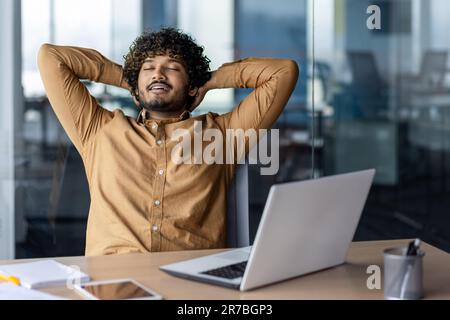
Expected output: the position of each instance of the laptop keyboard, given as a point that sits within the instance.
(231, 271)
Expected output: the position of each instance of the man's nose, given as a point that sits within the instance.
(158, 75)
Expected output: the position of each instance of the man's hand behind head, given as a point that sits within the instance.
(125, 85)
(209, 85)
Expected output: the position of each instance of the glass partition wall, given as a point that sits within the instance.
(267, 29)
(387, 94)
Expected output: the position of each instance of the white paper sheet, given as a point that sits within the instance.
(43, 273)
(9, 291)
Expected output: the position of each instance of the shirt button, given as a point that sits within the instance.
(159, 142)
(154, 228)
(154, 126)
(161, 172)
(157, 202)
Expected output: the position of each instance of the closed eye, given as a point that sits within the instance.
(152, 68)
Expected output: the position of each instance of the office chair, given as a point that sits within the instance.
(238, 229)
(368, 93)
(71, 181)
(366, 77)
(68, 218)
(433, 70)
(434, 65)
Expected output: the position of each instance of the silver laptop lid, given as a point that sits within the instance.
(306, 226)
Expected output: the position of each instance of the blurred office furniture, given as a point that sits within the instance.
(323, 73)
(427, 89)
(297, 143)
(426, 96)
(301, 128)
(434, 69)
(366, 97)
(362, 145)
(366, 78)
(363, 137)
(431, 76)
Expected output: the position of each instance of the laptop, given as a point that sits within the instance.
(306, 226)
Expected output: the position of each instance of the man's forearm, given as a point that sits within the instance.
(253, 72)
(83, 63)
(61, 70)
(274, 81)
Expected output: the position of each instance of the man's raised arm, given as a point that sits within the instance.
(61, 69)
(273, 80)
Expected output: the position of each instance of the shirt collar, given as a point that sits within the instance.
(145, 118)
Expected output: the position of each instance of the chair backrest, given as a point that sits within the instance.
(434, 67)
(238, 229)
(70, 181)
(367, 80)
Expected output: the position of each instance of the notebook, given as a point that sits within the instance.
(44, 273)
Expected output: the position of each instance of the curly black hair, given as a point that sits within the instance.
(167, 41)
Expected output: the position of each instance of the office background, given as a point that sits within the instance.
(365, 98)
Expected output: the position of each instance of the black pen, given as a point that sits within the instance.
(413, 247)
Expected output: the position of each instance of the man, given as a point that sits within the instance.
(141, 200)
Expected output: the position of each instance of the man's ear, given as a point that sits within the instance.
(193, 91)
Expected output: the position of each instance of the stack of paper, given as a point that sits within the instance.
(45, 273)
(9, 291)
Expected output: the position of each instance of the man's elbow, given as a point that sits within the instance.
(292, 69)
(43, 54)
(44, 49)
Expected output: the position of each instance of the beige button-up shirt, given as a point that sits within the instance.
(141, 200)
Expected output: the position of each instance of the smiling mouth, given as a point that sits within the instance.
(159, 88)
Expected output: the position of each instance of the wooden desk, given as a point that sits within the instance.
(347, 281)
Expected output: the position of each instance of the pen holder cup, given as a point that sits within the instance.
(403, 275)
